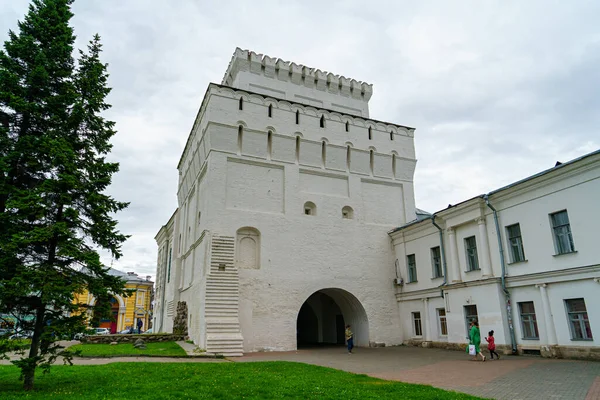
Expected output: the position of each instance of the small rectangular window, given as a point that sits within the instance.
(578, 320)
(412, 268)
(515, 242)
(436, 262)
(418, 330)
(528, 320)
(441, 312)
(471, 247)
(563, 239)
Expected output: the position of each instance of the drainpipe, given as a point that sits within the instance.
(444, 265)
(503, 265)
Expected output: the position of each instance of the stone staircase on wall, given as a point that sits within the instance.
(223, 335)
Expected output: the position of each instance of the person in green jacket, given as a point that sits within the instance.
(475, 340)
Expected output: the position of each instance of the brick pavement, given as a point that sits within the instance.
(514, 378)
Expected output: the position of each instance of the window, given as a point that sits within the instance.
(270, 110)
(441, 313)
(371, 161)
(528, 320)
(471, 247)
(323, 154)
(370, 133)
(517, 254)
(140, 298)
(297, 117)
(322, 122)
(563, 239)
(394, 165)
(310, 208)
(239, 141)
(578, 320)
(347, 212)
(391, 135)
(436, 262)
(411, 262)
(297, 149)
(269, 145)
(470, 315)
(418, 330)
(347, 126)
(348, 158)
(241, 105)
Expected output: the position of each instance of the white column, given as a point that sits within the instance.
(454, 266)
(486, 269)
(549, 321)
(425, 321)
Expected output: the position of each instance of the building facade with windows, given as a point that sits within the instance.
(296, 216)
(124, 310)
(523, 256)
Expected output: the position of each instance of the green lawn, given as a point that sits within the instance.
(228, 380)
(127, 349)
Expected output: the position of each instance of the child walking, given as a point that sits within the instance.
(492, 345)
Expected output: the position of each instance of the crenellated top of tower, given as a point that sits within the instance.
(298, 83)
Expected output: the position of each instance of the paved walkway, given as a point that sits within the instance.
(510, 378)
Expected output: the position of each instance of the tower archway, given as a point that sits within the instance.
(323, 316)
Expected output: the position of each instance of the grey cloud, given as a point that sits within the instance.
(497, 90)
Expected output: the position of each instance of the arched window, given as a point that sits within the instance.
(370, 133)
(394, 165)
(347, 212)
(297, 117)
(371, 160)
(248, 248)
(297, 149)
(322, 121)
(348, 153)
(241, 105)
(391, 135)
(270, 110)
(269, 144)
(239, 141)
(347, 126)
(323, 153)
(310, 208)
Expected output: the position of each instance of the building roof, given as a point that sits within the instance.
(126, 276)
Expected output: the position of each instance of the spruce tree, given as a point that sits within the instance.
(54, 212)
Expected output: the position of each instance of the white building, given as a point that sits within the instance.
(287, 192)
(523, 256)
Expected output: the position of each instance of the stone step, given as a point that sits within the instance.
(221, 313)
(223, 294)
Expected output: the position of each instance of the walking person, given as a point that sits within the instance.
(349, 339)
(139, 325)
(492, 345)
(475, 340)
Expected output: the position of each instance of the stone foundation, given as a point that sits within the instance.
(569, 352)
(107, 339)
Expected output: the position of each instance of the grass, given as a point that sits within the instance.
(126, 349)
(256, 380)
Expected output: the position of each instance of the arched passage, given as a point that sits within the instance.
(322, 318)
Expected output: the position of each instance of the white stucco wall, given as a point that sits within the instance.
(575, 188)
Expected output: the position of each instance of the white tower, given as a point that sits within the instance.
(287, 190)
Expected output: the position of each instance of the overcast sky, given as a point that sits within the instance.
(497, 90)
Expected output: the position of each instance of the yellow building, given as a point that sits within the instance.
(125, 311)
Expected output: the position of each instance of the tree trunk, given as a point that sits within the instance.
(29, 370)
